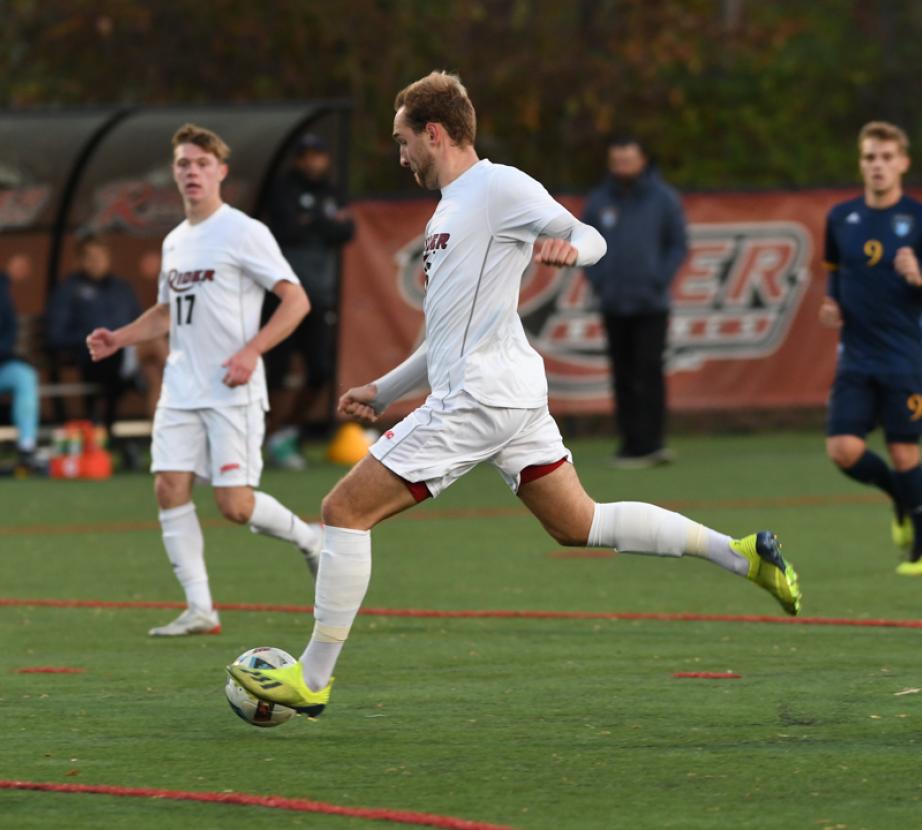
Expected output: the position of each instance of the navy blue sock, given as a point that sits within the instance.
(909, 485)
(872, 469)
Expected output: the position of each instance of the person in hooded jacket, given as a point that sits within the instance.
(641, 218)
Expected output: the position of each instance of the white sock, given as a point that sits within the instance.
(635, 527)
(345, 571)
(185, 547)
(271, 518)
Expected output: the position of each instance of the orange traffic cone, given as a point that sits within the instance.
(349, 445)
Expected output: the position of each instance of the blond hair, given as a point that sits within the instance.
(439, 98)
(203, 138)
(884, 131)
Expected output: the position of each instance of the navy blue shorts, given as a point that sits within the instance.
(860, 402)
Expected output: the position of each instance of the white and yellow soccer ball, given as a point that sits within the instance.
(254, 711)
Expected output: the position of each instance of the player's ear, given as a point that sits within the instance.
(433, 132)
(904, 165)
(222, 172)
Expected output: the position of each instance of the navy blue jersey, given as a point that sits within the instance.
(881, 312)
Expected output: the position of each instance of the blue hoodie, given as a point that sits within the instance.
(644, 227)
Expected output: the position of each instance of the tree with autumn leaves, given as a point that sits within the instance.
(727, 93)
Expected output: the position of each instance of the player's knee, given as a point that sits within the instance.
(333, 511)
(235, 511)
(169, 493)
(844, 453)
(568, 535)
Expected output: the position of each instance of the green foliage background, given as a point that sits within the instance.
(727, 93)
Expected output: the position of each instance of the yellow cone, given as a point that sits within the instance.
(349, 445)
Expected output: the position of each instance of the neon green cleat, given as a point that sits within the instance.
(902, 532)
(285, 685)
(768, 569)
(910, 568)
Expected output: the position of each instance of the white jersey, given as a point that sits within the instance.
(478, 244)
(214, 276)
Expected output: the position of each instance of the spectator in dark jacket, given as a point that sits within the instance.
(18, 378)
(90, 298)
(642, 221)
(306, 216)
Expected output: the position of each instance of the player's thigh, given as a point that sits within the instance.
(235, 437)
(535, 443)
(560, 503)
(901, 410)
(179, 442)
(854, 405)
(366, 495)
(443, 440)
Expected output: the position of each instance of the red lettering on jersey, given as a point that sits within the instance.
(184, 280)
(226, 468)
(436, 242)
(389, 434)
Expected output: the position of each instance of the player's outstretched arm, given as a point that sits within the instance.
(103, 343)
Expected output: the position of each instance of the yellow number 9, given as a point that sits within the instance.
(873, 250)
(914, 405)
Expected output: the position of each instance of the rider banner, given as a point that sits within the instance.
(743, 332)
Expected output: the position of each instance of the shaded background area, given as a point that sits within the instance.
(728, 93)
(750, 108)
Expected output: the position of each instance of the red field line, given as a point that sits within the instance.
(429, 513)
(707, 675)
(487, 614)
(49, 670)
(275, 802)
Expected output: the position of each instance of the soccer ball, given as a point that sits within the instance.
(254, 711)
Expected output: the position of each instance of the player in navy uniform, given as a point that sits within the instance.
(875, 297)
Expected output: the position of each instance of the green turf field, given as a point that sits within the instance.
(528, 723)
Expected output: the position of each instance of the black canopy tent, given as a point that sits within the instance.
(65, 172)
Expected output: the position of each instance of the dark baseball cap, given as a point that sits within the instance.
(312, 141)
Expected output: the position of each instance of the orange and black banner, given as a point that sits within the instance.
(744, 331)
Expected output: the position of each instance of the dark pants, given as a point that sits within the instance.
(315, 340)
(102, 407)
(636, 344)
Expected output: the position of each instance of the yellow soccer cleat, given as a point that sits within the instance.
(285, 685)
(902, 532)
(768, 569)
(910, 568)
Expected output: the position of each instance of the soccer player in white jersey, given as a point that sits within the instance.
(488, 398)
(217, 266)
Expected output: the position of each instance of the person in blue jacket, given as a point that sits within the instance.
(93, 297)
(641, 218)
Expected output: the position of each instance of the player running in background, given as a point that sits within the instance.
(875, 296)
(488, 399)
(210, 420)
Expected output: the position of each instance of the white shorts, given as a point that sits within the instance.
(444, 439)
(221, 445)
